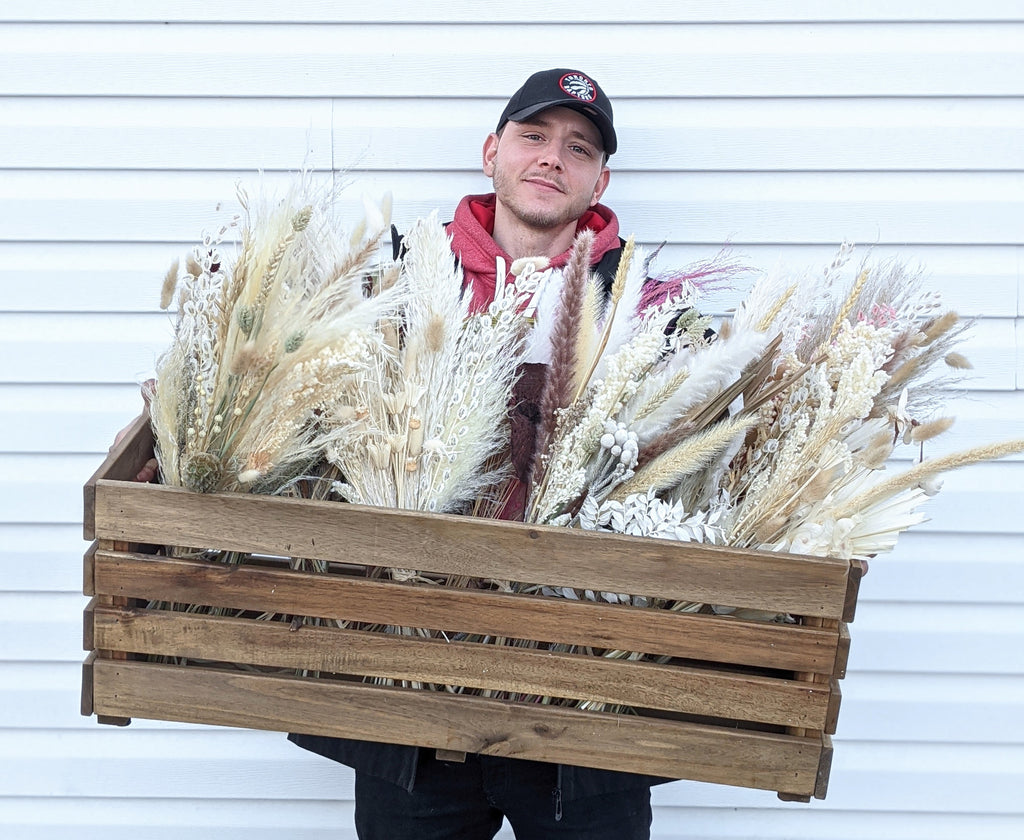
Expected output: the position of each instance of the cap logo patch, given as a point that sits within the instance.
(578, 86)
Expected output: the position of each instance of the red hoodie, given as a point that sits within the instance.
(472, 242)
(475, 247)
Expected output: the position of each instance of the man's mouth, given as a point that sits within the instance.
(546, 184)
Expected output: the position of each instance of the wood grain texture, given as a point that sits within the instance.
(88, 562)
(689, 690)
(674, 749)
(123, 462)
(286, 592)
(477, 548)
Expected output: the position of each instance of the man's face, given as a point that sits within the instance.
(547, 170)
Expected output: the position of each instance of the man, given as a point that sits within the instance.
(547, 159)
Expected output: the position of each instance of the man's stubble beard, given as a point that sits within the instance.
(537, 218)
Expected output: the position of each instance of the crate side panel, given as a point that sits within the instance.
(467, 724)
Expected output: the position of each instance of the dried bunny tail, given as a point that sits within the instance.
(693, 454)
(939, 326)
(926, 470)
(169, 285)
(958, 361)
(931, 429)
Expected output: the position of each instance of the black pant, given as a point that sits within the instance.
(466, 801)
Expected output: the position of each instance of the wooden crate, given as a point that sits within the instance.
(741, 702)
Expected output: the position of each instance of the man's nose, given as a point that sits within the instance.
(550, 157)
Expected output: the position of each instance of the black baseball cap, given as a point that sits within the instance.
(569, 89)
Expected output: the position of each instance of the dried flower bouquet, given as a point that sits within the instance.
(309, 366)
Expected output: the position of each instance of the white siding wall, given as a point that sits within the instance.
(782, 127)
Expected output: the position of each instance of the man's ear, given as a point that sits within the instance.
(490, 151)
(601, 185)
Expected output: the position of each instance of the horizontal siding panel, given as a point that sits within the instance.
(888, 637)
(84, 418)
(165, 134)
(925, 567)
(319, 11)
(89, 276)
(709, 134)
(885, 208)
(1020, 354)
(124, 206)
(96, 348)
(1020, 298)
(405, 134)
(912, 708)
(951, 568)
(971, 279)
(982, 498)
(41, 558)
(938, 638)
(116, 817)
(985, 497)
(211, 765)
(32, 563)
(694, 822)
(157, 819)
(81, 348)
(65, 418)
(43, 489)
(888, 777)
(818, 134)
(42, 627)
(413, 60)
(936, 708)
(126, 277)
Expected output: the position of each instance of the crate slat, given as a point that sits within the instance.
(673, 749)
(682, 689)
(142, 513)
(716, 638)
